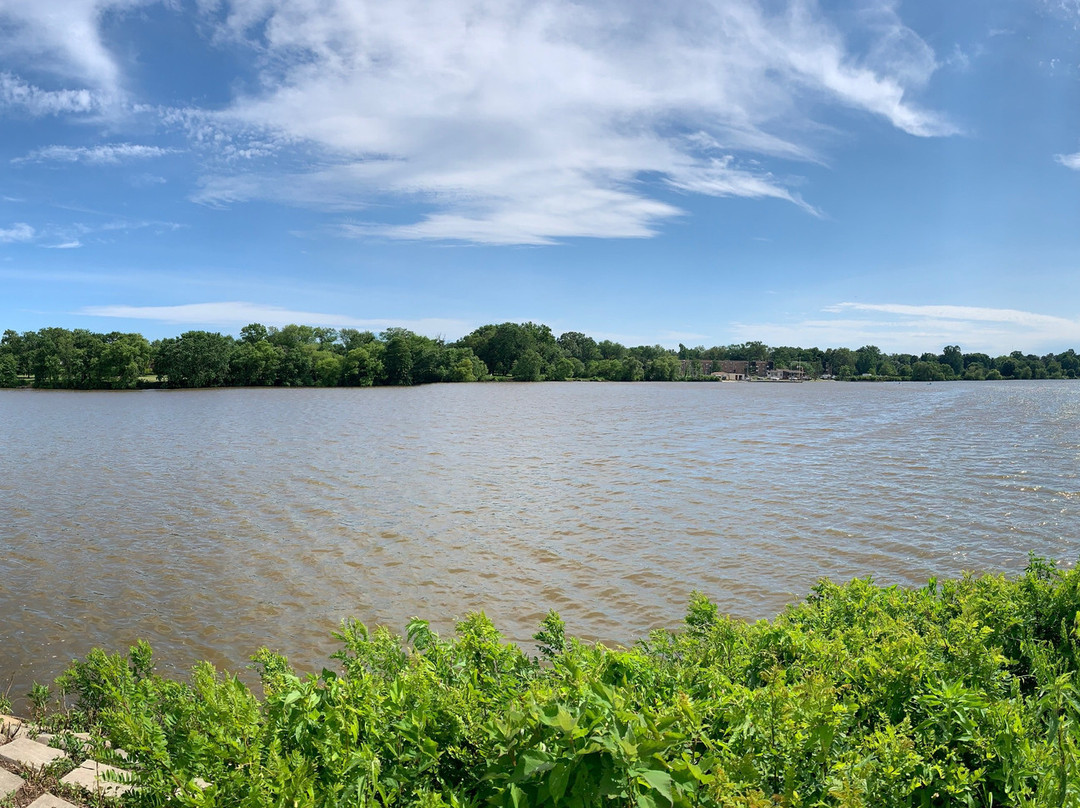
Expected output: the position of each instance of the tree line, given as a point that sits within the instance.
(306, 356)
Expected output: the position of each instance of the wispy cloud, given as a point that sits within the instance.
(140, 224)
(523, 122)
(534, 122)
(1069, 160)
(917, 329)
(961, 313)
(17, 94)
(72, 235)
(107, 154)
(20, 231)
(239, 313)
(63, 38)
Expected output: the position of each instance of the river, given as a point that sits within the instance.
(213, 522)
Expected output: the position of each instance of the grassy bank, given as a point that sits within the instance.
(958, 693)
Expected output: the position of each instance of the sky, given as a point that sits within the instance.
(706, 172)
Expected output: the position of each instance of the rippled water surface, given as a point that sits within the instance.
(213, 522)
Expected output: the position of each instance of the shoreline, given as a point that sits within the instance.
(798, 707)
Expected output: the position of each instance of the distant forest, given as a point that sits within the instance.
(307, 356)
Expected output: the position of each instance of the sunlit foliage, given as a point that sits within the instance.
(959, 693)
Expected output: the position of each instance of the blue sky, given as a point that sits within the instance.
(899, 174)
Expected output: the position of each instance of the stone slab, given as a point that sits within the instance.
(9, 783)
(89, 776)
(50, 801)
(53, 740)
(31, 754)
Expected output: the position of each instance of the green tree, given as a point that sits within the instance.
(19, 347)
(662, 369)
(927, 372)
(297, 366)
(578, 346)
(9, 372)
(838, 358)
(255, 364)
(607, 369)
(464, 366)
(527, 367)
(363, 365)
(562, 370)
(125, 358)
(253, 333)
(632, 369)
(194, 359)
(611, 350)
(328, 369)
(292, 336)
(866, 359)
(350, 338)
(398, 358)
(952, 357)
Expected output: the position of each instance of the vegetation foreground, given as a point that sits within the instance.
(962, 693)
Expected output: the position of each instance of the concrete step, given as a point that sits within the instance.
(50, 801)
(90, 776)
(9, 784)
(31, 754)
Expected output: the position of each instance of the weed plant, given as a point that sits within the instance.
(961, 693)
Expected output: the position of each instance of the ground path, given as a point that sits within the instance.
(31, 769)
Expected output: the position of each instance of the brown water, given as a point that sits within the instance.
(213, 522)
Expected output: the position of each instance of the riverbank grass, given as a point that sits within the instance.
(960, 692)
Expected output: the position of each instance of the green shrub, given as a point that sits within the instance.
(958, 694)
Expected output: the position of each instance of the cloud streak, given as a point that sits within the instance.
(1069, 160)
(108, 154)
(18, 232)
(917, 329)
(240, 313)
(532, 122)
(522, 122)
(17, 94)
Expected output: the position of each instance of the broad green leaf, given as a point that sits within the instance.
(517, 797)
(659, 781)
(557, 780)
(534, 761)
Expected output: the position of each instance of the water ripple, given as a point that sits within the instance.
(213, 522)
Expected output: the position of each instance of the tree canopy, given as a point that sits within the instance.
(305, 356)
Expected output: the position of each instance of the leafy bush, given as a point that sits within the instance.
(958, 694)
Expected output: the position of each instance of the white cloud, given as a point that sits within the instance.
(528, 122)
(1069, 160)
(108, 154)
(67, 245)
(963, 313)
(15, 93)
(63, 36)
(524, 121)
(18, 232)
(239, 313)
(917, 329)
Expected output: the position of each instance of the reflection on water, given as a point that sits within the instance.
(213, 522)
